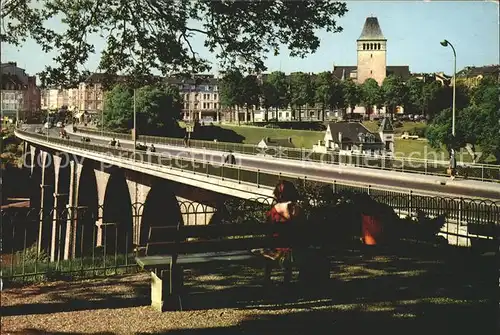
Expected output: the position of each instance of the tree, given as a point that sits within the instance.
(118, 109)
(432, 91)
(279, 82)
(352, 94)
(439, 132)
(324, 91)
(337, 98)
(250, 90)
(177, 100)
(301, 92)
(371, 95)
(415, 98)
(157, 111)
(476, 125)
(144, 37)
(230, 90)
(394, 92)
(269, 96)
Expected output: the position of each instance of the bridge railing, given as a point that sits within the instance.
(460, 210)
(483, 172)
(36, 243)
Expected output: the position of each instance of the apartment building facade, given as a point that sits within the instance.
(200, 95)
(20, 95)
(86, 98)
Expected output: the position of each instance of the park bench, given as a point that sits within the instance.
(488, 240)
(170, 249)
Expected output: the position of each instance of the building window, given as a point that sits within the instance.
(379, 46)
(279, 114)
(371, 55)
(215, 96)
(371, 71)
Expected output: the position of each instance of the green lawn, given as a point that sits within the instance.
(419, 149)
(407, 126)
(253, 135)
(306, 139)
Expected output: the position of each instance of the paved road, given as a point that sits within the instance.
(403, 181)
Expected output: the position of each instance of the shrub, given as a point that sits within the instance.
(31, 255)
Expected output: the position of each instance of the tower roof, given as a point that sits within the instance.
(386, 125)
(371, 30)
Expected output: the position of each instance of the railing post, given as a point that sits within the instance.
(239, 175)
(369, 189)
(410, 205)
(482, 172)
(222, 172)
(425, 165)
(258, 172)
(334, 187)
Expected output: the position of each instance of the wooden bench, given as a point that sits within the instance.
(170, 249)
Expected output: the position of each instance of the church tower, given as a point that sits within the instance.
(372, 50)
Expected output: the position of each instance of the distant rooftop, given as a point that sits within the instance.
(371, 30)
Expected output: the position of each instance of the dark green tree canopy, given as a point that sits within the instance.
(394, 92)
(371, 95)
(230, 89)
(352, 93)
(157, 111)
(279, 82)
(145, 36)
(477, 124)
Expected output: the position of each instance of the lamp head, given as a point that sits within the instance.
(444, 43)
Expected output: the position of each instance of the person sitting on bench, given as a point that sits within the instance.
(285, 210)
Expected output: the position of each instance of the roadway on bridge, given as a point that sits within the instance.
(430, 185)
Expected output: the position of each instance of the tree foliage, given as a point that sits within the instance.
(279, 82)
(301, 91)
(157, 111)
(324, 90)
(477, 124)
(147, 36)
(352, 94)
(250, 90)
(230, 89)
(371, 95)
(394, 92)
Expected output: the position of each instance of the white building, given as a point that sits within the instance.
(353, 138)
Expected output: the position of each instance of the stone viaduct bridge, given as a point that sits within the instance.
(93, 193)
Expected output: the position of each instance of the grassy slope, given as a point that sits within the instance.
(306, 139)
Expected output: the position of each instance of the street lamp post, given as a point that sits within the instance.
(19, 101)
(135, 127)
(446, 43)
(102, 116)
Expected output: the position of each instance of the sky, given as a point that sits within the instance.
(413, 30)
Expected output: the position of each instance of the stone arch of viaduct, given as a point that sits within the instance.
(83, 204)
